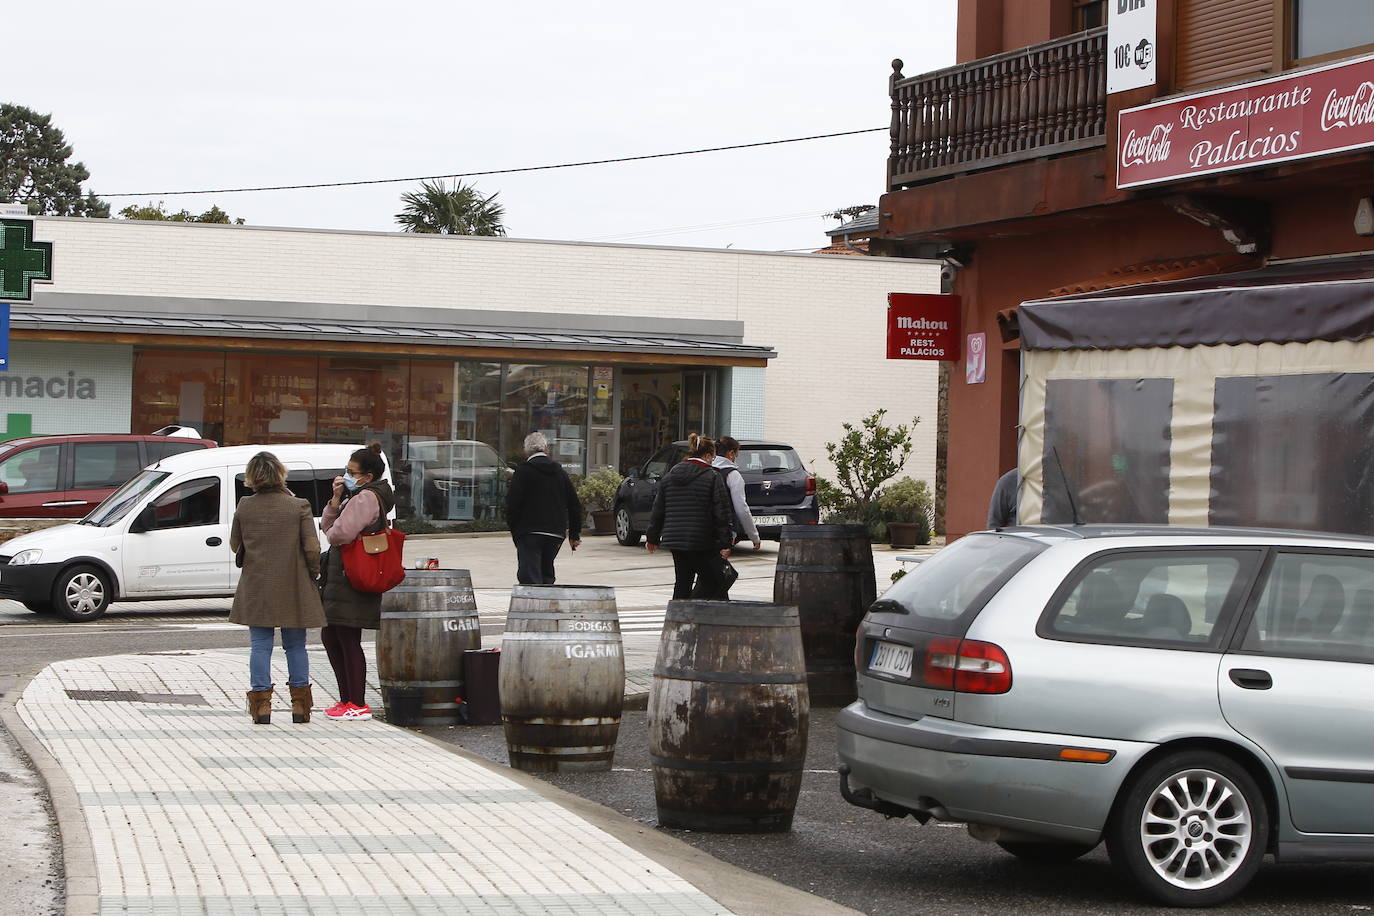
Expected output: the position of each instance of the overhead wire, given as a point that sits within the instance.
(511, 171)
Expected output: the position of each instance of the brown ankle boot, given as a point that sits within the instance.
(260, 706)
(301, 701)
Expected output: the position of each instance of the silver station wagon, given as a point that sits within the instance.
(1196, 698)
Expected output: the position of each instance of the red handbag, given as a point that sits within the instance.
(373, 563)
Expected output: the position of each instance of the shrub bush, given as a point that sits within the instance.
(597, 490)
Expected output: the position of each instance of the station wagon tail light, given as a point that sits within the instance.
(966, 666)
(810, 485)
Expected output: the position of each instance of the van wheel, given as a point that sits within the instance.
(1190, 830)
(1046, 853)
(39, 607)
(624, 529)
(81, 593)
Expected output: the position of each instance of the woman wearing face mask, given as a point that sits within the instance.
(362, 499)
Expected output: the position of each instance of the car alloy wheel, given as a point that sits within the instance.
(80, 594)
(624, 531)
(1192, 829)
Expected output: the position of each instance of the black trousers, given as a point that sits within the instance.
(344, 647)
(697, 574)
(534, 554)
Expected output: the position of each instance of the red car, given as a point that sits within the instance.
(68, 476)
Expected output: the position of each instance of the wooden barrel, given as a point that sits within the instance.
(428, 621)
(562, 678)
(826, 572)
(728, 716)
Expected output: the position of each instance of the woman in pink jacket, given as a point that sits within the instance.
(362, 499)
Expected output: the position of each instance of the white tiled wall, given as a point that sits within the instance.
(824, 314)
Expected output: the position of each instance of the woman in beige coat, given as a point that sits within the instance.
(280, 555)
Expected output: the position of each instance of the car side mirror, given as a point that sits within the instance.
(144, 521)
(4, 488)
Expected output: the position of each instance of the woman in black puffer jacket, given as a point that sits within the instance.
(692, 518)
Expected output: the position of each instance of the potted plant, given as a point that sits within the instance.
(906, 509)
(597, 492)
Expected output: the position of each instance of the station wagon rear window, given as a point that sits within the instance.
(1173, 598)
(948, 590)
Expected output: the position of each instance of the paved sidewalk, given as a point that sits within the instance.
(191, 808)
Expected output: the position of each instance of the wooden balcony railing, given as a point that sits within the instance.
(1037, 101)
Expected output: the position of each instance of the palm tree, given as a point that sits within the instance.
(460, 210)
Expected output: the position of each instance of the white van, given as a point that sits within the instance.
(164, 534)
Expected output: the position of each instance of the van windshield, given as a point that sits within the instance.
(118, 503)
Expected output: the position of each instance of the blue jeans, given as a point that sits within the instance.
(260, 658)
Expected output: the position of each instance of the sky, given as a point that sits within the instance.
(158, 96)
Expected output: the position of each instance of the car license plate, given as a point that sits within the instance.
(771, 521)
(890, 658)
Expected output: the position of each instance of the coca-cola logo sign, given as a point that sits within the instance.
(1307, 113)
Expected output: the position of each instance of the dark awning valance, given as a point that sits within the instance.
(1283, 303)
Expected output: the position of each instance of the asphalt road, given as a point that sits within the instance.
(897, 867)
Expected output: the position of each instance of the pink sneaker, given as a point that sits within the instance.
(356, 713)
(336, 710)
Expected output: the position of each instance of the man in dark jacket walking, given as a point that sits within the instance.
(542, 508)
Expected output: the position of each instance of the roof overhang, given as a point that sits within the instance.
(319, 327)
(1292, 302)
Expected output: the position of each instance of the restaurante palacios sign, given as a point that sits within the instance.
(1296, 116)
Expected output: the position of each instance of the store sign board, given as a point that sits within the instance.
(923, 326)
(1131, 44)
(1312, 113)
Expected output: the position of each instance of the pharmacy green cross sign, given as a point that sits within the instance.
(22, 260)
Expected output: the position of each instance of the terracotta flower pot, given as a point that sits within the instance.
(603, 522)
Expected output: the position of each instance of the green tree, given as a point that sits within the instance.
(160, 214)
(34, 169)
(869, 455)
(460, 210)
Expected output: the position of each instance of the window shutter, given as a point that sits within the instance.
(1223, 39)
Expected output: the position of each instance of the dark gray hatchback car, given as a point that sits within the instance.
(777, 486)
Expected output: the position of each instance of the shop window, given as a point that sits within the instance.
(34, 470)
(1294, 451)
(362, 399)
(188, 505)
(450, 469)
(103, 465)
(650, 413)
(1107, 450)
(551, 400)
(1325, 27)
(179, 388)
(270, 398)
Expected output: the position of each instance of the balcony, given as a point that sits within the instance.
(1039, 101)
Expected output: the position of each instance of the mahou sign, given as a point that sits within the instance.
(1311, 113)
(922, 326)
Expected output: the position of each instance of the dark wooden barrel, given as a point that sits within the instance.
(728, 716)
(562, 678)
(428, 621)
(826, 572)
